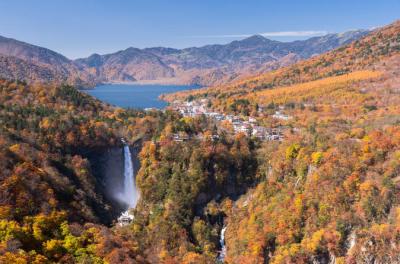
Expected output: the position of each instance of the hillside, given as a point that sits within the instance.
(212, 64)
(365, 53)
(54, 206)
(329, 192)
(23, 61)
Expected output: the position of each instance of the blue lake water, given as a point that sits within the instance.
(135, 95)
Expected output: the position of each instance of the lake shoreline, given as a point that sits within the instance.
(162, 81)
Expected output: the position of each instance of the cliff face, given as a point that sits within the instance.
(108, 168)
(207, 65)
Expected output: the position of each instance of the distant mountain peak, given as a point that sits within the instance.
(209, 65)
(94, 55)
(257, 39)
(131, 49)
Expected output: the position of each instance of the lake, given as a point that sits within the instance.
(135, 95)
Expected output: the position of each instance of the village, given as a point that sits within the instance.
(248, 126)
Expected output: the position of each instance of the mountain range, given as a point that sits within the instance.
(207, 65)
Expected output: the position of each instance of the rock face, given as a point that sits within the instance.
(207, 65)
(108, 167)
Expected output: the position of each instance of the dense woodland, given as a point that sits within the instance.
(49, 195)
(329, 191)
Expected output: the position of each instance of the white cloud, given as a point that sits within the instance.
(307, 33)
(376, 27)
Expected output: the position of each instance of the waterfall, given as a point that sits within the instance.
(129, 194)
(222, 252)
(130, 191)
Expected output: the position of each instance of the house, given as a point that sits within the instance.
(260, 134)
(279, 115)
(180, 137)
(252, 120)
(125, 219)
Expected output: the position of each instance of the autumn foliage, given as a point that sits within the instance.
(329, 192)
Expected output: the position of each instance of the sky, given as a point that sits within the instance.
(79, 28)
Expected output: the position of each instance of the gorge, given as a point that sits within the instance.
(296, 165)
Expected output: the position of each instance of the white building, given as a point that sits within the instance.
(279, 115)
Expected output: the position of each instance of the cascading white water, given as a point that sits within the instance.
(222, 253)
(129, 194)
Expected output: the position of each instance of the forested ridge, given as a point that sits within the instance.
(51, 207)
(328, 192)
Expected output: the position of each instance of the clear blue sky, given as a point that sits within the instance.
(78, 28)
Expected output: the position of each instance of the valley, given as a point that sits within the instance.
(254, 151)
